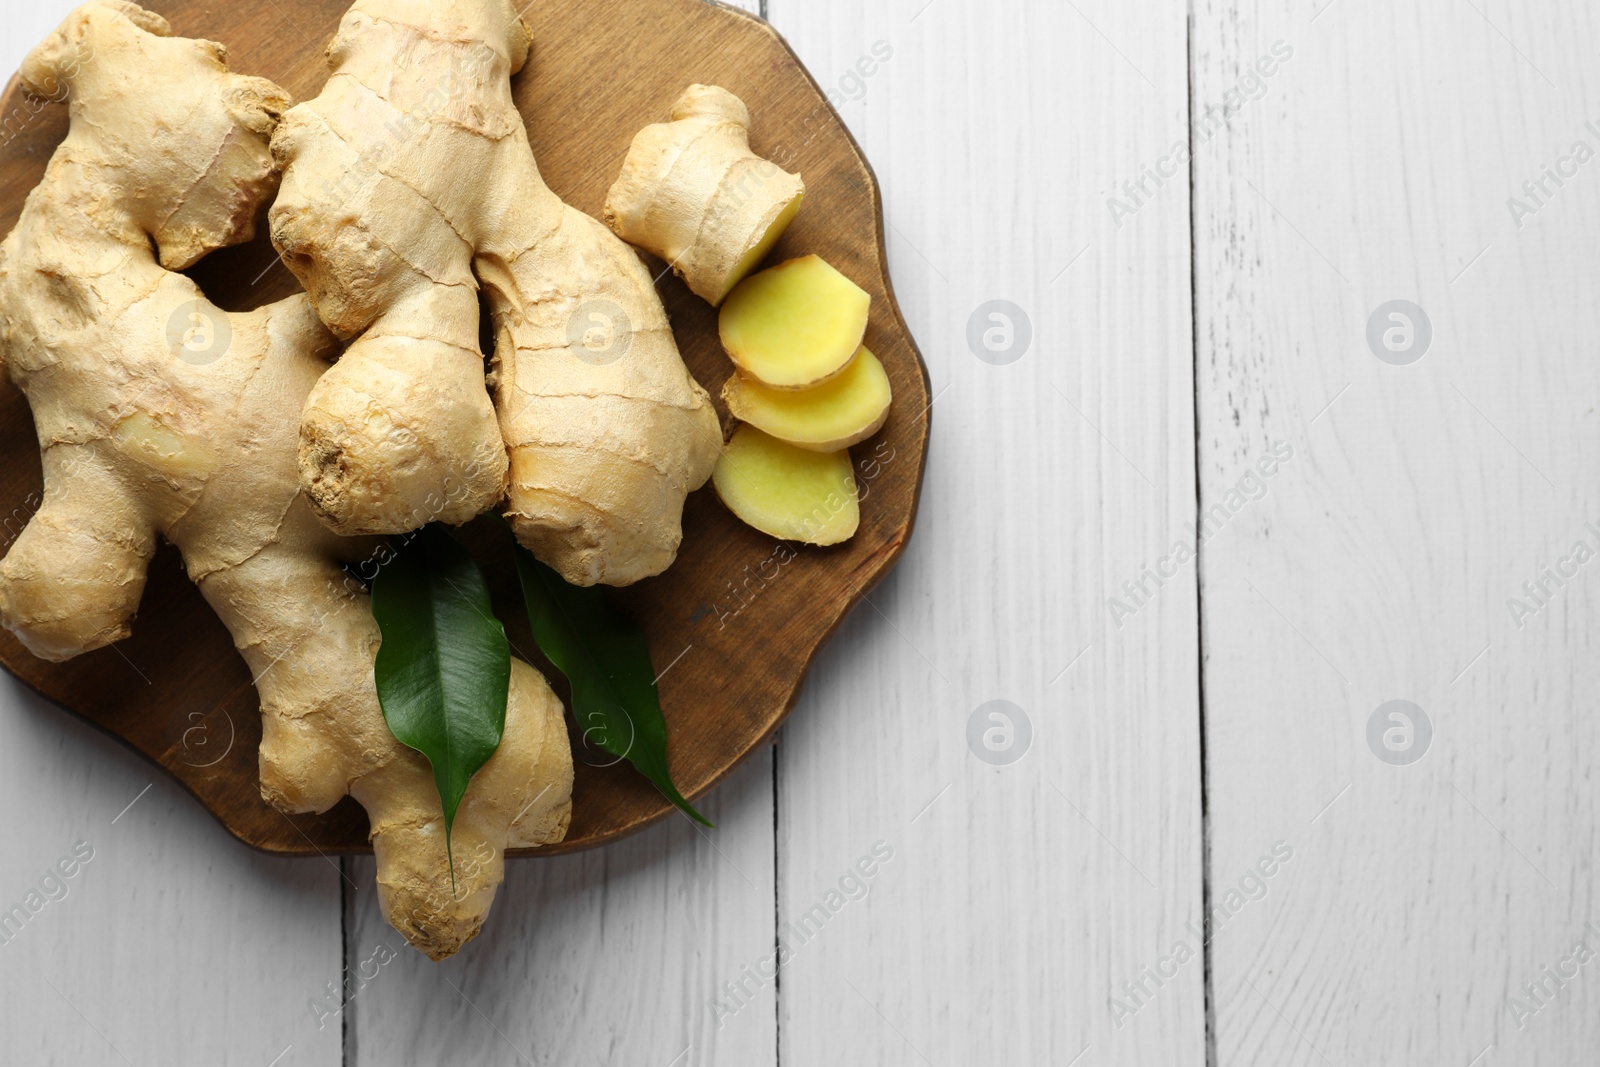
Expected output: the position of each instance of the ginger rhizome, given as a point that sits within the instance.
(844, 410)
(794, 325)
(409, 185)
(791, 493)
(693, 193)
(159, 415)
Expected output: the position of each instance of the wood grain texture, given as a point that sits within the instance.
(737, 630)
(1019, 896)
(1377, 165)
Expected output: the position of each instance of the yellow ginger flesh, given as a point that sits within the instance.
(795, 325)
(791, 493)
(844, 410)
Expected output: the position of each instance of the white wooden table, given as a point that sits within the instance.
(1198, 733)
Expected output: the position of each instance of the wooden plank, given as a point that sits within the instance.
(173, 943)
(1376, 165)
(1018, 897)
(622, 955)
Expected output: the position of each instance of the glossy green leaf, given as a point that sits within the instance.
(605, 657)
(444, 668)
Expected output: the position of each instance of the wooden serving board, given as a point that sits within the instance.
(734, 624)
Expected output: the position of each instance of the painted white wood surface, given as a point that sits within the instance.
(1018, 895)
(174, 944)
(1377, 165)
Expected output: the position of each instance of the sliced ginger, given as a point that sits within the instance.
(842, 411)
(794, 325)
(788, 492)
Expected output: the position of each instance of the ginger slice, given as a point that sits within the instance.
(842, 411)
(794, 325)
(788, 492)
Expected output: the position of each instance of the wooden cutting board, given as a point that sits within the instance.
(734, 624)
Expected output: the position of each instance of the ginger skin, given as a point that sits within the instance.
(148, 429)
(693, 193)
(408, 185)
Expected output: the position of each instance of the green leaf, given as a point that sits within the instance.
(444, 668)
(605, 657)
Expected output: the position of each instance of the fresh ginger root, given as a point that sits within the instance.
(844, 410)
(791, 493)
(408, 183)
(160, 415)
(693, 193)
(795, 325)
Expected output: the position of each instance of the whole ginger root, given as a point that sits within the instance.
(693, 193)
(408, 185)
(160, 415)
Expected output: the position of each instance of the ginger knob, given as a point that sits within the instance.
(693, 193)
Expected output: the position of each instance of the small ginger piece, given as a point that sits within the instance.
(842, 411)
(789, 492)
(693, 193)
(794, 325)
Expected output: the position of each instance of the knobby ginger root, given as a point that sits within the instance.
(791, 493)
(693, 193)
(408, 184)
(160, 415)
(842, 411)
(795, 325)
